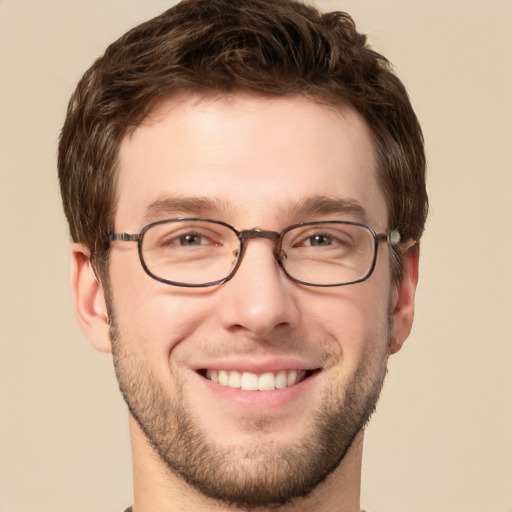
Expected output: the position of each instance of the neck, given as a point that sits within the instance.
(157, 489)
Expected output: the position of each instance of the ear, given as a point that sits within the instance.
(89, 299)
(403, 297)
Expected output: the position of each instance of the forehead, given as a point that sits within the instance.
(248, 160)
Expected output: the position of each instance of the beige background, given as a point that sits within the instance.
(442, 437)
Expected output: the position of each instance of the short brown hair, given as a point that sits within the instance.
(271, 47)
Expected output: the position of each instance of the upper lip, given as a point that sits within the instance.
(258, 366)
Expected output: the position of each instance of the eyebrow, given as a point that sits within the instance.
(327, 205)
(199, 206)
(184, 205)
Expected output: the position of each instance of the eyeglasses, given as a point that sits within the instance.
(203, 252)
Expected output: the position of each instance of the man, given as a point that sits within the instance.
(245, 187)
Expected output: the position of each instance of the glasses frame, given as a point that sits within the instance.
(392, 237)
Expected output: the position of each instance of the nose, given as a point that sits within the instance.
(259, 298)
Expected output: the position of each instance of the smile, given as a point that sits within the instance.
(248, 381)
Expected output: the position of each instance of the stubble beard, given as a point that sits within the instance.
(262, 474)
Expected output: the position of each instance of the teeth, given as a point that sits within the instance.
(281, 380)
(234, 380)
(223, 378)
(247, 381)
(291, 379)
(267, 382)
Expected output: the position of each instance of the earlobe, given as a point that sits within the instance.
(89, 299)
(403, 297)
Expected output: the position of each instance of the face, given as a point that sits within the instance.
(251, 162)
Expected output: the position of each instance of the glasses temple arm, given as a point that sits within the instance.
(122, 237)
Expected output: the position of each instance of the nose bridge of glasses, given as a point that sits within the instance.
(249, 234)
(257, 233)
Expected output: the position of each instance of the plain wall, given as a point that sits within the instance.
(441, 438)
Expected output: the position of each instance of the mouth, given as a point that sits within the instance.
(247, 381)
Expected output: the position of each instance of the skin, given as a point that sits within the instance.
(256, 160)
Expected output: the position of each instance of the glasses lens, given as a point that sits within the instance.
(330, 253)
(193, 252)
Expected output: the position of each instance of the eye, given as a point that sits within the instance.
(186, 238)
(191, 240)
(319, 240)
(328, 238)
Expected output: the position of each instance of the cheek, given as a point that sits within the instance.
(354, 319)
(165, 318)
(152, 317)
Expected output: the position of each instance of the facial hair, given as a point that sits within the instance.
(260, 474)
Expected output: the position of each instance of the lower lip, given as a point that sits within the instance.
(263, 400)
